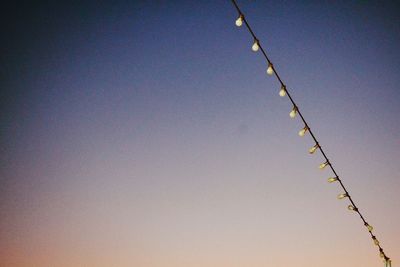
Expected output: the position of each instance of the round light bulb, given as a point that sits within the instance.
(239, 21)
(351, 207)
(255, 46)
(376, 241)
(282, 92)
(323, 165)
(369, 227)
(341, 196)
(270, 70)
(293, 113)
(303, 131)
(313, 149)
(332, 179)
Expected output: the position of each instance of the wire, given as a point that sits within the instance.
(296, 108)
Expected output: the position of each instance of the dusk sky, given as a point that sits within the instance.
(147, 134)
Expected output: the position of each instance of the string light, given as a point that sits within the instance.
(270, 69)
(369, 227)
(351, 207)
(283, 92)
(376, 241)
(332, 179)
(303, 131)
(313, 149)
(323, 165)
(255, 46)
(293, 113)
(239, 21)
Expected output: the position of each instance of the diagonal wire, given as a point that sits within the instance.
(355, 208)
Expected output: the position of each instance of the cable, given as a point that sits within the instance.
(271, 70)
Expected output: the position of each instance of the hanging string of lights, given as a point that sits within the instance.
(295, 110)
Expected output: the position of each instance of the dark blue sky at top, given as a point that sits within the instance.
(185, 43)
(73, 71)
(71, 64)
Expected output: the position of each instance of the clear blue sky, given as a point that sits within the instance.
(138, 133)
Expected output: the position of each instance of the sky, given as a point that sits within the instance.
(147, 133)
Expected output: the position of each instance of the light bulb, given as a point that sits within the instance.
(313, 149)
(369, 227)
(388, 263)
(270, 70)
(381, 254)
(351, 207)
(376, 241)
(323, 165)
(255, 46)
(239, 21)
(293, 113)
(303, 131)
(332, 179)
(282, 92)
(341, 196)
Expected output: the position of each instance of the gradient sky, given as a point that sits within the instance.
(147, 134)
